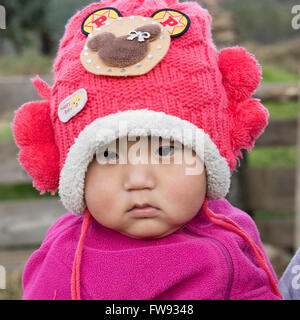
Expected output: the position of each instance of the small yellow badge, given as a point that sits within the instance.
(72, 105)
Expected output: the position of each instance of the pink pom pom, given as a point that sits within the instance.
(249, 119)
(241, 73)
(32, 124)
(41, 162)
(39, 155)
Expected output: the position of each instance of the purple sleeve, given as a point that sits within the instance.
(250, 280)
(251, 275)
(46, 277)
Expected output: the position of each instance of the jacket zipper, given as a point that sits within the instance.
(228, 259)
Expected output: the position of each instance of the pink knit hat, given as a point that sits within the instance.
(155, 78)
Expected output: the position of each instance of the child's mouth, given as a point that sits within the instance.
(146, 211)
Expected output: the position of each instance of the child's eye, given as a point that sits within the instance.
(107, 156)
(165, 150)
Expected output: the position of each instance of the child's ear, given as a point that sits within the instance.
(241, 76)
(34, 135)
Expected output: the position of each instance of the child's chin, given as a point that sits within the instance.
(148, 235)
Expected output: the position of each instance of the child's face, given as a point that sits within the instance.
(111, 189)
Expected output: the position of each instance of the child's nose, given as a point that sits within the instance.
(138, 177)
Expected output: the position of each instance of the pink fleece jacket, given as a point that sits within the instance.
(199, 261)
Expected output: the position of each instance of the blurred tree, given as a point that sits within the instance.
(43, 19)
(24, 17)
(266, 21)
(58, 14)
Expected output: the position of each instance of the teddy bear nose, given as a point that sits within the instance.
(124, 50)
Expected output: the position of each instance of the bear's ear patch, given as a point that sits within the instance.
(98, 19)
(241, 73)
(176, 22)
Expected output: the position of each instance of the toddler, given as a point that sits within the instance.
(140, 133)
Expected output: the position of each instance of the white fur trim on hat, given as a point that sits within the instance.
(103, 131)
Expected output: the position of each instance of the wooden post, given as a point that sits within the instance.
(297, 195)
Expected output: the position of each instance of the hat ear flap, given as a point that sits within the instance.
(34, 135)
(241, 73)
